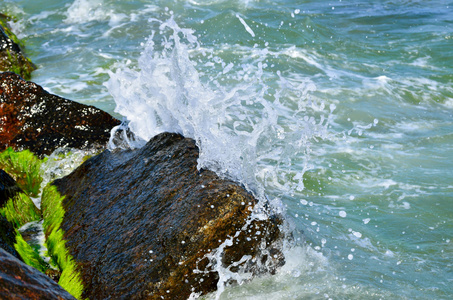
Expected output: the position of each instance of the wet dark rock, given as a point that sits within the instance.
(19, 281)
(31, 118)
(12, 57)
(141, 224)
(8, 188)
(7, 237)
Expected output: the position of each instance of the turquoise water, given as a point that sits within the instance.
(340, 113)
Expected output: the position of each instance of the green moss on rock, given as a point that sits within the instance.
(4, 24)
(25, 168)
(30, 255)
(11, 57)
(20, 210)
(53, 214)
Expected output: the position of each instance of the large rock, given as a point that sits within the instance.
(19, 281)
(11, 55)
(31, 118)
(146, 224)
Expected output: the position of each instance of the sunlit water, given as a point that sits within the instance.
(340, 113)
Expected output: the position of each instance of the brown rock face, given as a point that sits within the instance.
(19, 281)
(140, 223)
(31, 118)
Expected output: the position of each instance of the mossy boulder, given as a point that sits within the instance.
(24, 167)
(147, 224)
(15, 205)
(12, 57)
(16, 210)
(33, 119)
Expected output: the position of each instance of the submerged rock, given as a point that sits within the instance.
(19, 281)
(31, 118)
(146, 224)
(11, 55)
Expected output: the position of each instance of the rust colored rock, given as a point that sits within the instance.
(31, 118)
(19, 281)
(141, 224)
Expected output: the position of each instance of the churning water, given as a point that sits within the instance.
(339, 113)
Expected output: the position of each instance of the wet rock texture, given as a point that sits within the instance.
(7, 238)
(8, 189)
(11, 56)
(31, 118)
(19, 281)
(139, 223)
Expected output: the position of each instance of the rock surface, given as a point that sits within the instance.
(31, 118)
(8, 187)
(8, 237)
(19, 281)
(11, 56)
(145, 224)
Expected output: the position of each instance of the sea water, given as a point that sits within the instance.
(338, 113)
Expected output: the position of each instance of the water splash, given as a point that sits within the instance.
(239, 126)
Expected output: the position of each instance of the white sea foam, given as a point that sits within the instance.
(235, 127)
(82, 11)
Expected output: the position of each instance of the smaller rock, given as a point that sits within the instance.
(31, 118)
(19, 281)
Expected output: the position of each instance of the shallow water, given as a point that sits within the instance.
(339, 112)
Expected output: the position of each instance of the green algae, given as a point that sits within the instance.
(53, 213)
(25, 168)
(29, 254)
(20, 210)
(11, 61)
(16, 63)
(3, 23)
